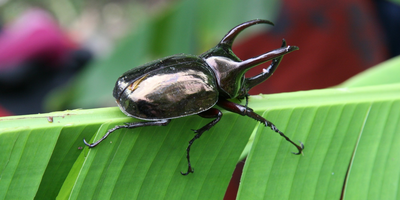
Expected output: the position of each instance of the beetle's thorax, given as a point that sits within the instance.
(228, 73)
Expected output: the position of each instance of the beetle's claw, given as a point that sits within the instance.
(300, 148)
(194, 130)
(87, 144)
(190, 170)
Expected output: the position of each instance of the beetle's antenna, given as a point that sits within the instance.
(231, 35)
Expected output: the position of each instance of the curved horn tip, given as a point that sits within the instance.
(231, 35)
(265, 21)
(292, 48)
(256, 21)
(283, 42)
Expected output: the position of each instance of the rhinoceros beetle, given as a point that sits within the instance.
(183, 85)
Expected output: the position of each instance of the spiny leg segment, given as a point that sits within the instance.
(211, 113)
(244, 110)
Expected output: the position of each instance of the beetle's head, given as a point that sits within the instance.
(229, 69)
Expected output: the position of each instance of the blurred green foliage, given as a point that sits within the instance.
(187, 26)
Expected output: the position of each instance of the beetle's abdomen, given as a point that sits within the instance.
(174, 89)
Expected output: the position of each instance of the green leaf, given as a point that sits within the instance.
(134, 164)
(130, 163)
(350, 138)
(384, 73)
(23, 160)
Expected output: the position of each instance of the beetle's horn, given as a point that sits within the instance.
(252, 62)
(255, 80)
(231, 35)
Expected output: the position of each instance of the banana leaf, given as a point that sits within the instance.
(350, 137)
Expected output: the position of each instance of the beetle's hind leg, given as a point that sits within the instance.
(162, 122)
(211, 113)
(244, 110)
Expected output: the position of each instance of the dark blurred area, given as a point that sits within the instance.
(45, 45)
(36, 56)
(337, 40)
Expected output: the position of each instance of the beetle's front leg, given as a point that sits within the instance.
(211, 113)
(243, 110)
(163, 122)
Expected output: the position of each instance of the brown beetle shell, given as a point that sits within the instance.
(169, 88)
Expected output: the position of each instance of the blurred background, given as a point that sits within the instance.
(67, 54)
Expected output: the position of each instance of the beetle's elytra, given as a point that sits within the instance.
(182, 85)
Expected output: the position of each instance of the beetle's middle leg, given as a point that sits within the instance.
(244, 110)
(211, 113)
